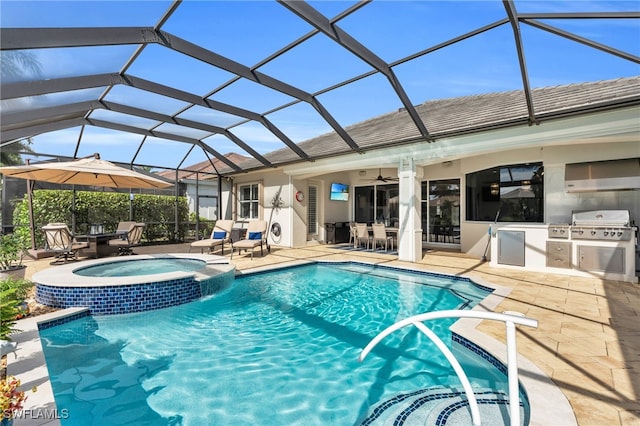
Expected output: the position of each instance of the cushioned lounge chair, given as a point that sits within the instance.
(220, 235)
(128, 239)
(60, 240)
(256, 236)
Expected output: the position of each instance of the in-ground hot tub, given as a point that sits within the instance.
(133, 284)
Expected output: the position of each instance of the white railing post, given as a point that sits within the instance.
(509, 318)
(512, 370)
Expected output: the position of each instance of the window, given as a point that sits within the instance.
(511, 193)
(248, 201)
(377, 203)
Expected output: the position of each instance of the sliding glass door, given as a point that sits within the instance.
(441, 211)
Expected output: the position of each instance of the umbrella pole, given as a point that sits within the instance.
(32, 225)
(176, 228)
(73, 209)
(131, 196)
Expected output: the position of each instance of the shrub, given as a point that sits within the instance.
(13, 292)
(12, 249)
(107, 208)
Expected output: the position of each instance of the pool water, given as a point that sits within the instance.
(276, 348)
(137, 267)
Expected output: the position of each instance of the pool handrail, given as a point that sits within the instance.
(510, 318)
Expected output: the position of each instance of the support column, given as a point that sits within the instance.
(410, 232)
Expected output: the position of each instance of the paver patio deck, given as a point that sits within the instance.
(587, 342)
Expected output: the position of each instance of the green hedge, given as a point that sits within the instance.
(107, 208)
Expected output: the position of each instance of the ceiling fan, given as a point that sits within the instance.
(385, 179)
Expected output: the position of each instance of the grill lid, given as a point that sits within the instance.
(601, 218)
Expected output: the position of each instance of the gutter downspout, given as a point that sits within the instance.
(176, 228)
(219, 203)
(291, 211)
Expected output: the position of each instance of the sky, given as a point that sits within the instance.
(250, 31)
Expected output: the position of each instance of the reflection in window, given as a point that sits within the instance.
(377, 203)
(441, 211)
(511, 193)
(248, 201)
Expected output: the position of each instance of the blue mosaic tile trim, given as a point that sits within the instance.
(469, 345)
(62, 320)
(121, 299)
(381, 408)
(426, 273)
(387, 267)
(275, 268)
(399, 420)
(419, 402)
(446, 413)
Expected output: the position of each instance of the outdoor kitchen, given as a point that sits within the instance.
(595, 243)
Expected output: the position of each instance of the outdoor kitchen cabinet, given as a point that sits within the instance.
(531, 247)
(511, 248)
(601, 259)
(559, 254)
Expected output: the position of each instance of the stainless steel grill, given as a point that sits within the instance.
(558, 230)
(609, 225)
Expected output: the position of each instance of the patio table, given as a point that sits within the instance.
(98, 244)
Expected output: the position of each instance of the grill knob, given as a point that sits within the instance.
(593, 232)
(605, 233)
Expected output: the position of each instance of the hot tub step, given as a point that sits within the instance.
(440, 406)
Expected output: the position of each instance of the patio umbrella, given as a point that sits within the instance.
(85, 171)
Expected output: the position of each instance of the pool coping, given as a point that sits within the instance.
(541, 391)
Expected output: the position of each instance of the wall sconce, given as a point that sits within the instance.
(495, 188)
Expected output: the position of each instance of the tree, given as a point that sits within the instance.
(17, 65)
(10, 154)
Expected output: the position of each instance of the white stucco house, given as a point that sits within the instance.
(490, 163)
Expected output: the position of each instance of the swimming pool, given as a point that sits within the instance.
(275, 348)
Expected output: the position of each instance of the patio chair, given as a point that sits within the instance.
(380, 236)
(60, 240)
(123, 228)
(221, 234)
(362, 234)
(256, 236)
(128, 239)
(353, 234)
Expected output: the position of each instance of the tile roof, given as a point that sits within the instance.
(468, 114)
(206, 169)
